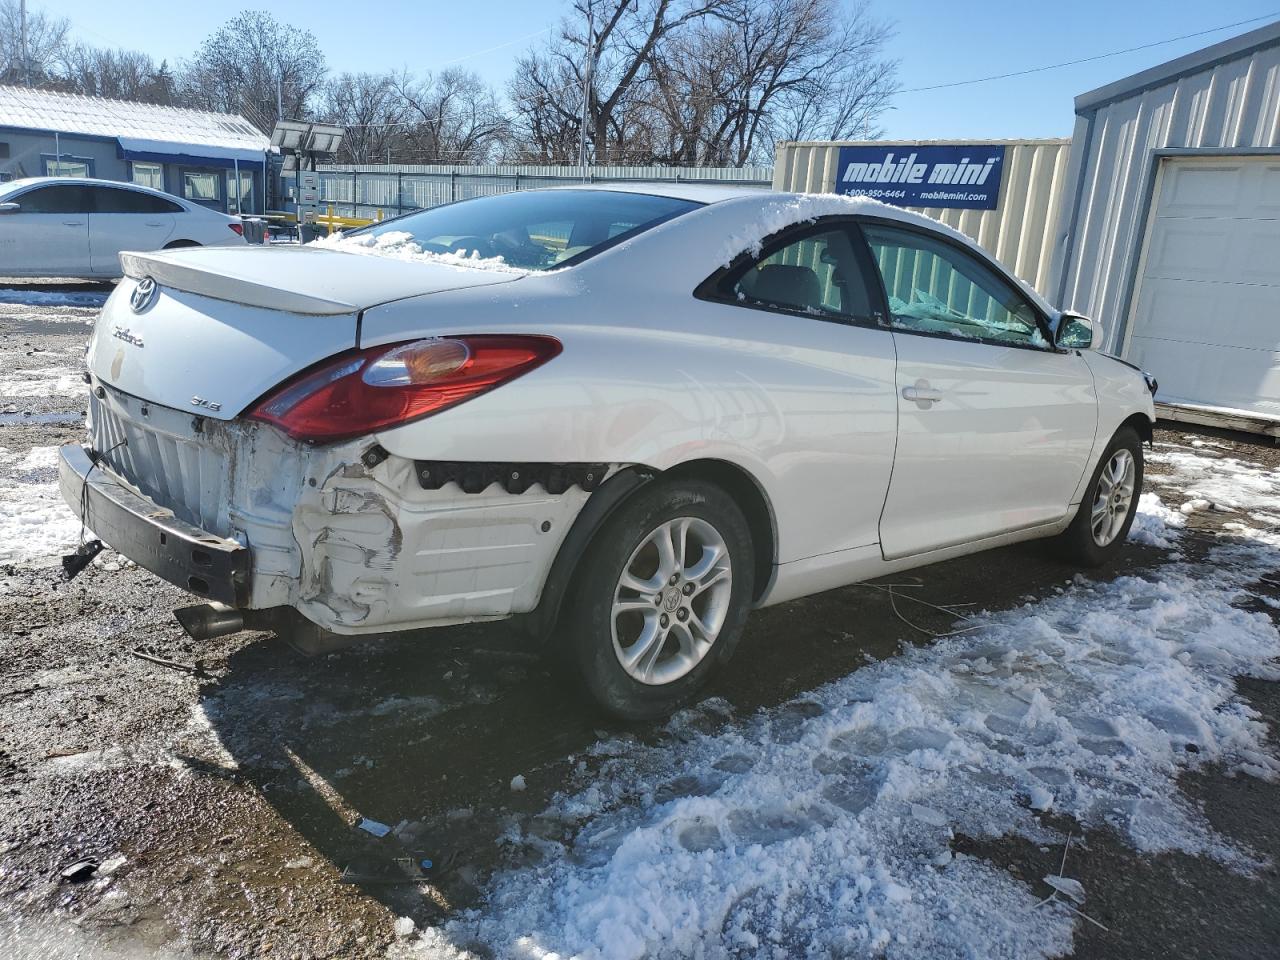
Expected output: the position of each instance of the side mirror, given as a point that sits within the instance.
(1076, 332)
(10, 207)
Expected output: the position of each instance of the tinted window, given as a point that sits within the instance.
(62, 198)
(936, 288)
(535, 230)
(109, 200)
(816, 274)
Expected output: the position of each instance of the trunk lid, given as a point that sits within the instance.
(224, 326)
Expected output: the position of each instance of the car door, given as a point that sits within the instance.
(995, 425)
(48, 235)
(124, 219)
(802, 306)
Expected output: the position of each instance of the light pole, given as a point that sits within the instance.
(586, 89)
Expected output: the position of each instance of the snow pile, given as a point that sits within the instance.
(36, 526)
(1221, 480)
(400, 245)
(824, 827)
(1156, 524)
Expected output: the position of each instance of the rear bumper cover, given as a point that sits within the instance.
(150, 535)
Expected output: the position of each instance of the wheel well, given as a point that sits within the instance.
(750, 499)
(174, 244)
(1141, 425)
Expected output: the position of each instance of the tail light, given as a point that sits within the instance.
(364, 391)
(237, 228)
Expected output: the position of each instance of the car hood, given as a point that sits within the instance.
(302, 280)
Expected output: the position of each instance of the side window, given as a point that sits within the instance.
(817, 274)
(936, 288)
(61, 198)
(110, 200)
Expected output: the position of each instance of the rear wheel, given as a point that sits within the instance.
(665, 588)
(1109, 505)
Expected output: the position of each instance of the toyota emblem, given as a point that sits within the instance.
(144, 294)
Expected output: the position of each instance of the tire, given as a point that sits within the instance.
(1079, 542)
(661, 630)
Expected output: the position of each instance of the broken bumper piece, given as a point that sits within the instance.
(150, 535)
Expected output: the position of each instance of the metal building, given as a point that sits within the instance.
(214, 159)
(1170, 230)
(1020, 225)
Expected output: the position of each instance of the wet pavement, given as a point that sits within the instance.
(219, 798)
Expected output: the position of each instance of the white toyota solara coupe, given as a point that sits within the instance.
(625, 415)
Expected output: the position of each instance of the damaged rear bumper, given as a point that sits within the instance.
(150, 535)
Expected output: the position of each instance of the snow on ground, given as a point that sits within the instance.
(400, 245)
(824, 827)
(1223, 481)
(53, 298)
(42, 382)
(36, 527)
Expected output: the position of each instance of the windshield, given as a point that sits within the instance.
(534, 229)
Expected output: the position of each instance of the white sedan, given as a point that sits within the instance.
(625, 415)
(77, 227)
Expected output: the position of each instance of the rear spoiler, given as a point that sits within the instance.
(175, 272)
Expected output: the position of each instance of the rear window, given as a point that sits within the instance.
(535, 230)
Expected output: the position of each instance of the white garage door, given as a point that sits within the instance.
(1207, 318)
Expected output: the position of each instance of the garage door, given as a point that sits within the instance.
(1207, 317)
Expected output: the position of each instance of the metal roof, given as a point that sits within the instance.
(139, 123)
(1195, 62)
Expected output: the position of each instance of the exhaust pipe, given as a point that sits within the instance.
(205, 621)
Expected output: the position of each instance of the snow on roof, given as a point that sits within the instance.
(29, 109)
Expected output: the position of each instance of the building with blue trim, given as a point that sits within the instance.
(215, 159)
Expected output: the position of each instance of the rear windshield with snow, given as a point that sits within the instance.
(535, 229)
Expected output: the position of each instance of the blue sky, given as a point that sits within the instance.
(937, 41)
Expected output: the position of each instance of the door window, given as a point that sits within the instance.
(936, 288)
(60, 198)
(111, 200)
(148, 175)
(241, 201)
(816, 274)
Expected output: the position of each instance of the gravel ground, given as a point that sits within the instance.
(219, 800)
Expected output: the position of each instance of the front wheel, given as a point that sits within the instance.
(665, 588)
(1109, 505)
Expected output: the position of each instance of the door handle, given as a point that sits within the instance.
(921, 394)
(154, 223)
(73, 223)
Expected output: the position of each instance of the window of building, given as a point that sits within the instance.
(200, 186)
(65, 166)
(148, 175)
(4, 150)
(936, 288)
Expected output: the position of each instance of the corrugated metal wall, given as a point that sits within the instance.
(1230, 105)
(1020, 232)
(362, 190)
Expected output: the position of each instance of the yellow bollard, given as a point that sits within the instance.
(379, 214)
(330, 212)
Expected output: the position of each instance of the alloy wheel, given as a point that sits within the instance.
(1113, 497)
(671, 600)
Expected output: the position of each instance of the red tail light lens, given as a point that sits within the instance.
(368, 390)
(237, 229)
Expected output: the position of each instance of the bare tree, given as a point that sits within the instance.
(372, 110)
(251, 58)
(772, 69)
(118, 74)
(46, 42)
(453, 117)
